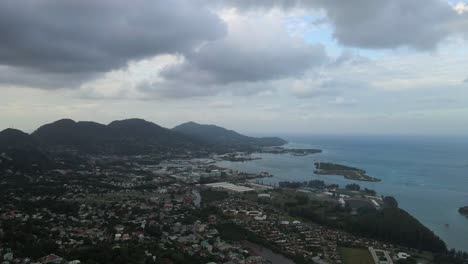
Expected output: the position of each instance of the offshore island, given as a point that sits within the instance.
(351, 173)
(463, 210)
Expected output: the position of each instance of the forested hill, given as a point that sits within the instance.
(13, 138)
(130, 137)
(19, 150)
(216, 135)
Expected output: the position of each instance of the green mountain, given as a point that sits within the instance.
(20, 151)
(219, 136)
(128, 137)
(68, 134)
(131, 136)
(13, 138)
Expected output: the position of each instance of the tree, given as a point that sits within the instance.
(301, 199)
(353, 187)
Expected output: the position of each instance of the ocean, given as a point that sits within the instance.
(427, 175)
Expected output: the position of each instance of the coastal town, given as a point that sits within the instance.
(172, 211)
(234, 132)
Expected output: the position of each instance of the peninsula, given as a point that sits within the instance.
(292, 151)
(351, 173)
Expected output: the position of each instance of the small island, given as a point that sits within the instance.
(351, 173)
(463, 211)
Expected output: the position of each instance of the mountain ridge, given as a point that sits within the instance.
(130, 137)
(216, 135)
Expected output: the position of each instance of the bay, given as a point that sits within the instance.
(427, 175)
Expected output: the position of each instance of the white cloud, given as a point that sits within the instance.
(418, 24)
(461, 8)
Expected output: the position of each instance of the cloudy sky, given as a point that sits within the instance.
(264, 66)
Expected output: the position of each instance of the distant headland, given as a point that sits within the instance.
(294, 152)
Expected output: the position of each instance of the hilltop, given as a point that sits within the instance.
(19, 150)
(130, 136)
(219, 136)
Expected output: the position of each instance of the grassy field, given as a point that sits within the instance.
(356, 256)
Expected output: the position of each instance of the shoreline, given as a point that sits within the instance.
(349, 177)
(388, 187)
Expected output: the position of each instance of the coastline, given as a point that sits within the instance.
(409, 172)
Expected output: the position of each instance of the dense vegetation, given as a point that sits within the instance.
(397, 226)
(216, 135)
(131, 136)
(348, 172)
(353, 187)
(334, 166)
(19, 151)
(27, 239)
(390, 224)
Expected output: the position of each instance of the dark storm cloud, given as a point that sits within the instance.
(260, 4)
(220, 63)
(419, 24)
(77, 38)
(53, 43)
(39, 79)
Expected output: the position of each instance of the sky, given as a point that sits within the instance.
(264, 66)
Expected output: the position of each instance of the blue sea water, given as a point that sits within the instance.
(427, 175)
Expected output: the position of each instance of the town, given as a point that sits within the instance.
(138, 209)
